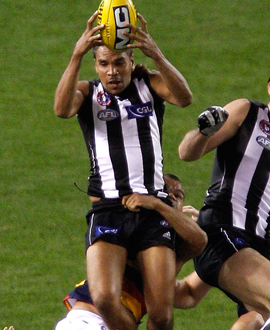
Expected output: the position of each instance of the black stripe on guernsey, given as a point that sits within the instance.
(267, 236)
(117, 151)
(145, 139)
(242, 140)
(86, 122)
(147, 152)
(258, 183)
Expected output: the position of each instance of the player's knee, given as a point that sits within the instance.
(105, 301)
(161, 318)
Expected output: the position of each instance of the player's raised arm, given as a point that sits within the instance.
(70, 93)
(168, 82)
(215, 126)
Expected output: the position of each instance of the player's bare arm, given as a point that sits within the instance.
(189, 291)
(194, 238)
(167, 82)
(70, 93)
(195, 144)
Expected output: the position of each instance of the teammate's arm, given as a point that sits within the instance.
(195, 144)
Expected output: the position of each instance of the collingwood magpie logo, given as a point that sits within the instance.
(264, 142)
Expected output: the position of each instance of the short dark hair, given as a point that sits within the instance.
(172, 176)
(269, 79)
(129, 51)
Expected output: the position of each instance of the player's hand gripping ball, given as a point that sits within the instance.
(115, 14)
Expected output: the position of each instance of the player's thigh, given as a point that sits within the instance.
(249, 321)
(246, 275)
(157, 266)
(105, 267)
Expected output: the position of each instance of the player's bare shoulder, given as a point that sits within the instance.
(238, 110)
(238, 105)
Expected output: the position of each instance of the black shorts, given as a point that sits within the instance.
(223, 242)
(136, 231)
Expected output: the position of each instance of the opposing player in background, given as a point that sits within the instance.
(84, 314)
(121, 117)
(236, 209)
(189, 291)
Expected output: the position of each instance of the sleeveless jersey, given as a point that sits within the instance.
(132, 295)
(123, 137)
(240, 186)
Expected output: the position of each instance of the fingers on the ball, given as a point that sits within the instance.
(134, 45)
(132, 36)
(92, 18)
(97, 28)
(141, 18)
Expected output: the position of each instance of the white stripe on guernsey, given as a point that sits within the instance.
(132, 149)
(243, 176)
(263, 211)
(102, 149)
(145, 95)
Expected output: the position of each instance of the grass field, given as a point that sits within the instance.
(221, 47)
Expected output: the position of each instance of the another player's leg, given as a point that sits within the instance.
(157, 266)
(246, 275)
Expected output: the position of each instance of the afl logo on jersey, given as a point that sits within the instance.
(107, 114)
(103, 98)
(265, 127)
(264, 142)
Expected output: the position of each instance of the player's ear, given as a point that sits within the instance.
(96, 67)
(132, 62)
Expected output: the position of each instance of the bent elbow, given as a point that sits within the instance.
(202, 243)
(187, 100)
(185, 155)
(60, 112)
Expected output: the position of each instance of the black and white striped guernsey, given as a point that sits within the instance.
(123, 138)
(240, 185)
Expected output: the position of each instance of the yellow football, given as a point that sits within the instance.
(115, 14)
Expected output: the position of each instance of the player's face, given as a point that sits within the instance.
(175, 191)
(114, 69)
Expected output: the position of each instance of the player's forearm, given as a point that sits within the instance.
(189, 291)
(193, 146)
(181, 94)
(183, 298)
(67, 87)
(187, 228)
